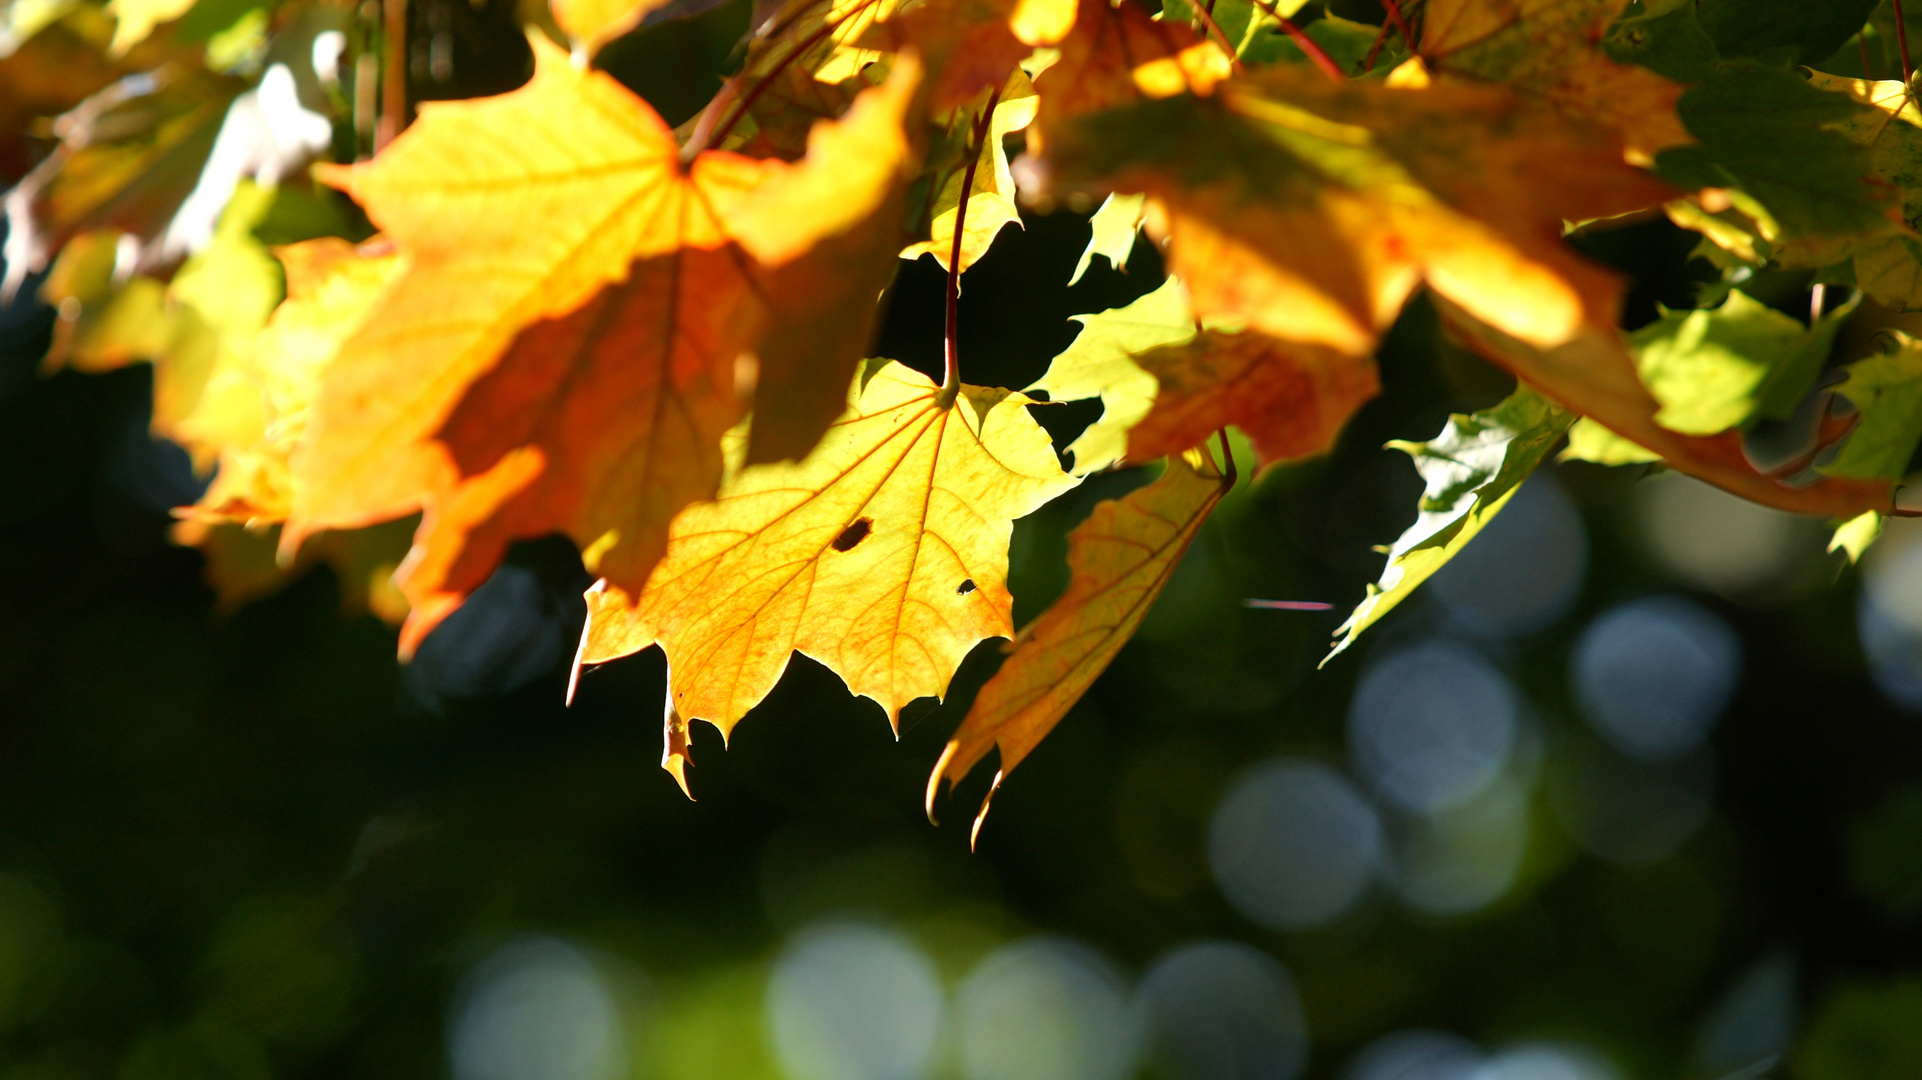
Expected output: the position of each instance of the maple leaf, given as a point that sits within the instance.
(1120, 557)
(1716, 369)
(1309, 211)
(330, 287)
(991, 204)
(1887, 390)
(1551, 49)
(1471, 470)
(1784, 177)
(1166, 384)
(1112, 229)
(1888, 268)
(1596, 375)
(884, 554)
(647, 290)
(1118, 55)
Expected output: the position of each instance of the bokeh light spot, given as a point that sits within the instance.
(1653, 676)
(1293, 845)
(1431, 726)
(1044, 1009)
(1221, 1010)
(537, 1009)
(853, 1002)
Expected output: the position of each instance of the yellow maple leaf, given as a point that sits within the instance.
(991, 205)
(1121, 557)
(646, 287)
(1550, 49)
(884, 554)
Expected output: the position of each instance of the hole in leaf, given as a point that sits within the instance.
(853, 534)
(965, 587)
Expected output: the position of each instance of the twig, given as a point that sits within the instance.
(1307, 44)
(1227, 460)
(1208, 22)
(951, 334)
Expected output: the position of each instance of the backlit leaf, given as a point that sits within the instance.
(649, 300)
(1596, 374)
(1120, 558)
(1291, 399)
(884, 554)
(1471, 471)
(1887, 389)
(1114, 227)
(1714, 369)
(1097, 364)
(1310, 210)
(331, 285)
(991, 205)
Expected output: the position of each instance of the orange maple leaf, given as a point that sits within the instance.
(646, 289)
(1552, 50)
(1309, 210)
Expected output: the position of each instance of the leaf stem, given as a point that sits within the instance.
(1227, 459)
(393, 78)
(1868, 69)
(1394, 16)
(1221, 37)
(1305, 43)
(951, 333)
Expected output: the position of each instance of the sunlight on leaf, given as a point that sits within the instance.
(1471, 470)
(884, 554)
(647, 289)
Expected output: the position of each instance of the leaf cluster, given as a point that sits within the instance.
(551, 311)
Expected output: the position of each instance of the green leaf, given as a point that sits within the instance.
(1789, 31)
(1889, 269)
(1590, 441)
(1712, 370)
(1114, 227)
(1783, 143)
(1472, 469)
(1888, 391)
(1100, 364)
